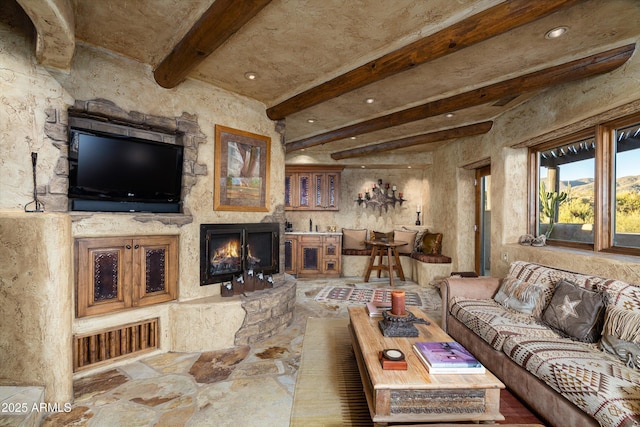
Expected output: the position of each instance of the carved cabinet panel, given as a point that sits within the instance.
(326, 186)
(115, 273)
(312, 188)
(298, 191)
(309, 256)
(331, 255)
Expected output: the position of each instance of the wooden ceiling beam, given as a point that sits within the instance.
(425, 138)
(482, 26)
(575, 70)
(223, 19)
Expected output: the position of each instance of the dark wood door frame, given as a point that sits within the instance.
(480, 174)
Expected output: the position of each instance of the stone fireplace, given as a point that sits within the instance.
(199, 320)
(232, 250)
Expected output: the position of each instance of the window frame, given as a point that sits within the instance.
(607, 142)
(604, 185)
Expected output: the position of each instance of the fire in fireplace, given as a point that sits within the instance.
(229, 250)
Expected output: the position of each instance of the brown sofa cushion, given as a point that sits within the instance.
(576, 312)
(353, 239)
(417, 246)
(432, 243)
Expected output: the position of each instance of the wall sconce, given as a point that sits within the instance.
(380, 196)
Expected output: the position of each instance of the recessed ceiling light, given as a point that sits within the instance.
(409, 167)
(353, 137)
(363, 166)
(370, 100)
(250, 75)
(311, 120)
(554, 33)
(449, 115)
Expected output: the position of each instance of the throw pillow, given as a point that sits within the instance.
(353, 239)
(621, 335)
(385, 237)
(405, 236)
(418, 240)
(432, 243)
(576, 312)
(525, 297)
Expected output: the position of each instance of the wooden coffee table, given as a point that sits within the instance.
(414, 395)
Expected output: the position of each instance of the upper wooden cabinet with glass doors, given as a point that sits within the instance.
(312, 187)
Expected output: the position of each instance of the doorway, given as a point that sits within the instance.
(483, 221)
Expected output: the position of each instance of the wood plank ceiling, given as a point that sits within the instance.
(436, 70)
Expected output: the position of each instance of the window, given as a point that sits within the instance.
(566, 191)
(585, 188)
(626, 232)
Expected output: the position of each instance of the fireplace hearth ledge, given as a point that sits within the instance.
(215, 323)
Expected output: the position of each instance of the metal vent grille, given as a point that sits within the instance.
(116, 343)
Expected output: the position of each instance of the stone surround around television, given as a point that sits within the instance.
(103, 115)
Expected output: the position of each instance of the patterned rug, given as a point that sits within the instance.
(328, 390)
(358, 296)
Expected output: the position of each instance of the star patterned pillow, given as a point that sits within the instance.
(576, 312)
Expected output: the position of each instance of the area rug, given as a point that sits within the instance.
(358, 296)
(329, 392)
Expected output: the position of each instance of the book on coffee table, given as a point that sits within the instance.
(447, 358)
(375, 309)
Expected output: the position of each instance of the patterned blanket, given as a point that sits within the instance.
(595, 381)
(357, 296)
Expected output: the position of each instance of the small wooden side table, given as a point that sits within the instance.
(382, 248)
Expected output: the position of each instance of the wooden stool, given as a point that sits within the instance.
(382, 248)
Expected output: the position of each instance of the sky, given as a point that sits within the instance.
(627, 164)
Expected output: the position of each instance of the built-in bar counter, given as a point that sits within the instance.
(313, 254)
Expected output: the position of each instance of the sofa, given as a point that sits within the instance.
(420, 263)
(567, 344)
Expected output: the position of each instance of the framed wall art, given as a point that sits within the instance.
(241, 174)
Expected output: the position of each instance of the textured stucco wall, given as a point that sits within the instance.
(547, 111)
(351, 215)
(36, 302)
(134, 89)
(27, 92)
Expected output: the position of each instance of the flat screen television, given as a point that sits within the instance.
(115, 173)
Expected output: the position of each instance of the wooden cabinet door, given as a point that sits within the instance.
(115, 273)
(312, 187)
(290, 190)
(326, 190)
(155, 262)
(310, 262)
(304, 194)
(291, 254)
(331, 256)
(103, 275)
(332, 191)
(319, 190)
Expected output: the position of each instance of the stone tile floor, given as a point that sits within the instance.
(241, 386)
